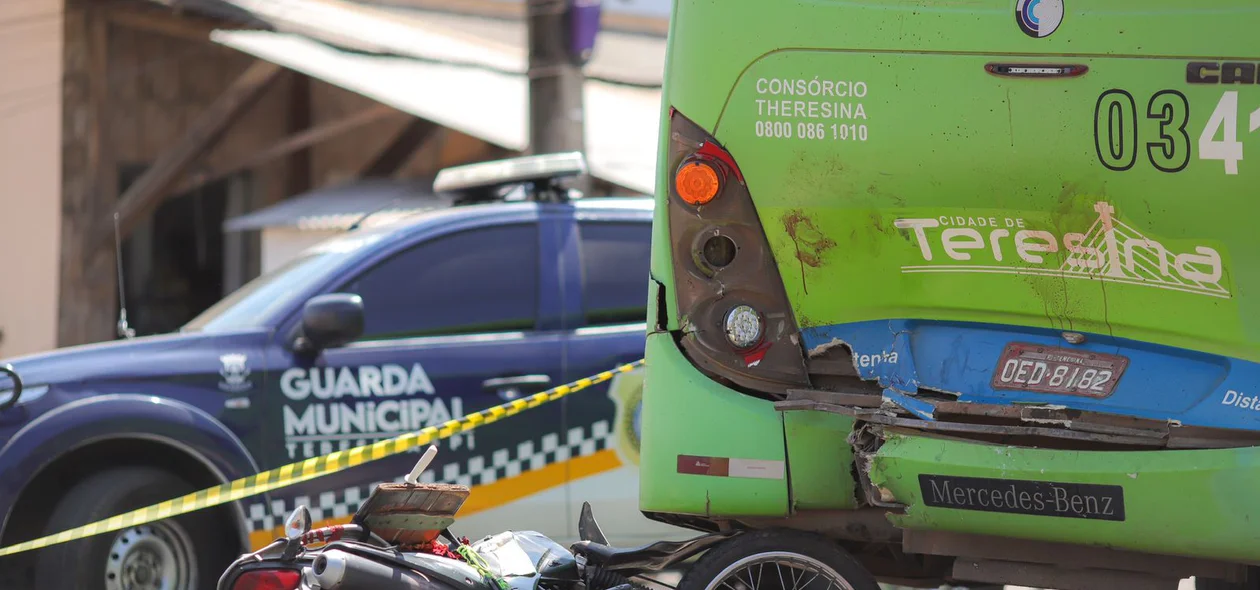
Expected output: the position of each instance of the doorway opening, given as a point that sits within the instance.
(176, 263)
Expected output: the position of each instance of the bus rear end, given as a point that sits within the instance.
(982, 268)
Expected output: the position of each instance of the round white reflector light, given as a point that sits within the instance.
(743, 326)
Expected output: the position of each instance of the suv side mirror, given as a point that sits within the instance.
(332, 320)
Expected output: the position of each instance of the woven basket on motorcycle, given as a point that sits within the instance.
(409, 514)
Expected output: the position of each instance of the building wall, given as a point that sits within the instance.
(133, 93)
(30, 162)
(159, 84)
(282, 244)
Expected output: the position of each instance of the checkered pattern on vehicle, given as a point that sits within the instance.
(476, 471)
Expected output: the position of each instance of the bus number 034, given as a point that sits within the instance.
(1116, 131)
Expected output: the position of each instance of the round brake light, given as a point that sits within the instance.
(697, 182)
(743, 327)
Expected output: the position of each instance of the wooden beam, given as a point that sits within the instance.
(87, 290)
(396, 153)
(164, 22)
(147, 192)
(288, 145)
(299, 119)
(100, 163)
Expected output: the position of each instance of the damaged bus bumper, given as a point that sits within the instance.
(1046, 472)
(1195, 503)
(959, 428)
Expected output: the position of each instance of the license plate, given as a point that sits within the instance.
(1048, 369)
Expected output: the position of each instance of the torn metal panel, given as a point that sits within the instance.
(1118, 499)
(866, 441)
(957, 389)
(879, 351)
(921, 409)
(1008, 366)
(1106, 380)
(1040, 426)
(814, 454)
(860, 400)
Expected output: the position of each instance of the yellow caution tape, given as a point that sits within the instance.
(314, 467)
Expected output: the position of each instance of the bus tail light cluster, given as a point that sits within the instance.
(736, 321)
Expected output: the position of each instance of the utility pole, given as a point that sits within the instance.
(561, 37)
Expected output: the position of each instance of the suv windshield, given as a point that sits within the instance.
(255, 302)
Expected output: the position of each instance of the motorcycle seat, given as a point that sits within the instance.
(652, 557)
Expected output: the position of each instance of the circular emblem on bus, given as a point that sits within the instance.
(1038, 18)
(626, 391)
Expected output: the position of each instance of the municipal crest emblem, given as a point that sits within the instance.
(235, 373)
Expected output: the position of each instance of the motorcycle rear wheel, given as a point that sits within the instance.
(777, 560)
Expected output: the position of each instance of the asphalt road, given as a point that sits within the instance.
(670, 580)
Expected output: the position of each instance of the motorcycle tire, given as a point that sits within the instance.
(758, 548)
(191, 550)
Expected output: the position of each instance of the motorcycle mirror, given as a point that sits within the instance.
(298, 523)
(588, 529)
(414, 477)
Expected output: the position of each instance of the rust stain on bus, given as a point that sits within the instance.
(810, 243)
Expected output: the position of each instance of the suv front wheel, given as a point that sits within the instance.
(187, 552)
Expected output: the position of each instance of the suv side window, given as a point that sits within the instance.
(615, 265)
(474, 281)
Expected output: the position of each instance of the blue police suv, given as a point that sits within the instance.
(379, 331)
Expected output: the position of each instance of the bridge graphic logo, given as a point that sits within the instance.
(1110, 250)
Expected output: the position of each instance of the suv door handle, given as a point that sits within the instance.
(509, 388)
(517, 381)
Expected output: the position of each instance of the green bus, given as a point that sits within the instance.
(958, 292)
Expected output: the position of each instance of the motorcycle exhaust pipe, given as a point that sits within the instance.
(337, 570)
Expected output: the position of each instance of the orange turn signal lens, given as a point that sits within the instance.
(697, 183)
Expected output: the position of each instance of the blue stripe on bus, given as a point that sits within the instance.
(1160, 382)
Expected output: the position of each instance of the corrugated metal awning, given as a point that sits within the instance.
(383, 27)
(487, 103)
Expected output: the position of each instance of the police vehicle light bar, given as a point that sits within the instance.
(535, 169)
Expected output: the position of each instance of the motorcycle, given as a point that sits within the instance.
(400, 539)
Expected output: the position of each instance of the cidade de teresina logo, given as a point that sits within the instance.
(1110, 250)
